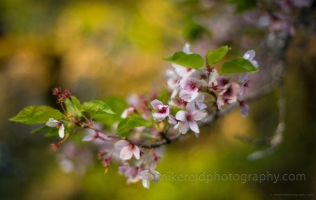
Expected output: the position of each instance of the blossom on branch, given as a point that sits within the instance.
(149, 175)
(59, 124)
(162, 110)
(187, 119)
(127, 149)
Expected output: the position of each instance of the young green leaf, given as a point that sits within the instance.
(117, 104)
(72, 108)
(238, 65)
(213, 56)
(132, 122)
(37, 115)
(194, 61)
(97, 107)
(76, 103)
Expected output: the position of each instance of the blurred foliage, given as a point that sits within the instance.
(100, 48)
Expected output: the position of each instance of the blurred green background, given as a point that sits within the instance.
(107, 48)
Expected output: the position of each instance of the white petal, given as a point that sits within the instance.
(182, 71)
(126, 153)
(52, 123)
(255, 63)
(249, 55)
(121, 143)
(198, 115)
(174, 93)
(201, 105)
(194, 127)
(199, 98)
(136, 152)
(127, 111)
(220, 101)
(181, 115)
(194, 94)
(155, 103)
(172, 120)
(186, 95)
(183, 127)
(61, 131)
(186, 48)
(160, 116)
(88, 138)
(190, 107)
(213, 78)
(244, 109)
(146, 183)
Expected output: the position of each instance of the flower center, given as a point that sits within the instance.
(189, 117)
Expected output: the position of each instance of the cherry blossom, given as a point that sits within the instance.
(243, 108)
(249, 55)
(190, 89)
(59, 124)
(244, 81)
(178, 102)
(149, 175)
(162, 110)
(187, 119)
(131, 172)
(127, 112)
(127, 150)
(173, 82)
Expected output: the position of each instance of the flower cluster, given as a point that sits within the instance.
(189, 89)
(134, 134)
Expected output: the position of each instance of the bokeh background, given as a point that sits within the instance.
(102, 48)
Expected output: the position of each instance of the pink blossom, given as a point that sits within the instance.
(199, 101)
(162, 110)
(190, 89)
(182, 71)
(131, 172)
(200, 74)
(244, 81)
(178, 102)
(222, 81)
(188, 118)
(173, 82)
(127, 150)
(243, 108)
(228, 95)
(230, 92)
(174, 121)
(212, 80)
(127, 112)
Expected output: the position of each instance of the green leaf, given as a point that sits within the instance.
(194, 61)
(52, 133)
(213, 56)
(76, 103)
(117, 104)
(42, 129)
(97, 107)
(238, 65)
(37, 115)
(132, 122)
(72, 109)
(243, 5)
